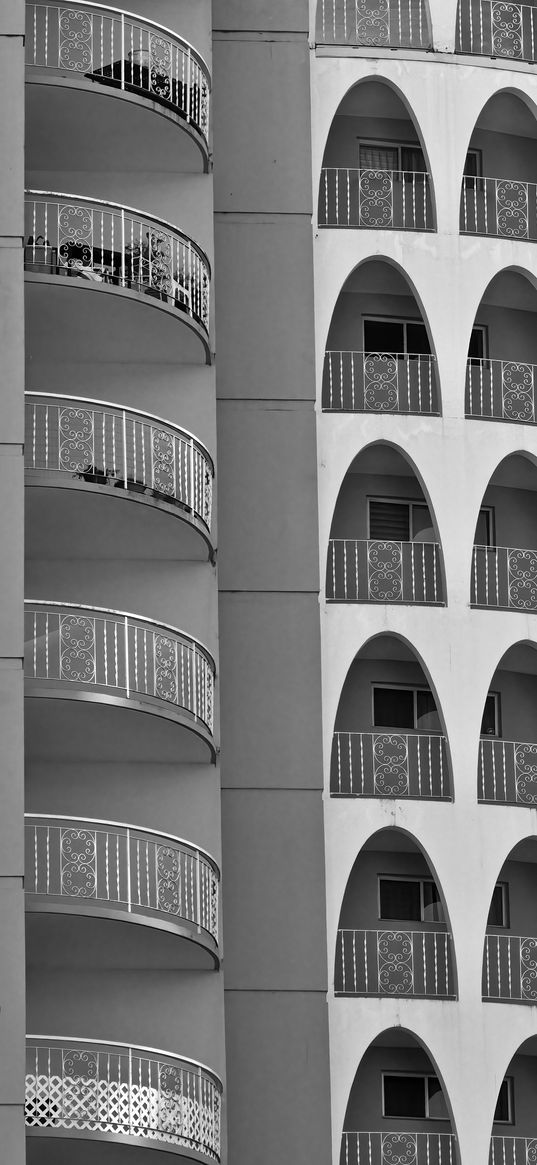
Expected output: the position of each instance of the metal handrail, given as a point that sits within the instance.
(127, 825)
(133, 1048)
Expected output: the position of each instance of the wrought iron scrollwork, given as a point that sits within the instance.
(162, 446)
(376, 198)
(75, 236)
(385, 571)
(170, 1113)
(76, 439)
(512, 208)
(168, 879)
(373, 22)
(79, 1087)
(77, 649)
(518, 396)
(531, 1152)
(165, 668)
(381, 387)
(399, 1148)
(528, 968)
(522, 576)
(506, 28)
(526, 773)
(160, 57)
(160, 257)
(395, 962)
(75, 40)
(78, 862)
(390, 765)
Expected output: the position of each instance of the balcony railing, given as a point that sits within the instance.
(384, 24)
(361, 571)
(95, 650)
(510, 968)
(84, 1087)
(497, 28)
(114, 48)
(394, 962)
(501, 390)
(389, 764)
(379, 382)
(367, 1148)
(102, 866)
(375, 199)
(104, 444)
(507, 772)
(503, 207)
(513, 1150)
(111, 245)
(504, 578)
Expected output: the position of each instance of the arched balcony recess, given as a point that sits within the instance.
(383, 544)
(514, 1131)
(498, 28)
(504, 576)
(374, 172)
(393, 934)
(509, 957)
(501, 373)
(77, 56)
(90, 1090)
(378, 355)
(375, 23)
(507, 772)
(499, 186)
(388, 739)
(397, 1109)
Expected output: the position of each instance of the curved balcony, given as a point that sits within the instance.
(495, 28)
(501, 390)
(502, 207)
(389, 764)
(515, 1150)
(100, 657)
(384, 24)
(97, 51)
(121, 256)
(505, 578)
(397, 200)
(507, 773)
(510, 969)
(366, 571)
(101, 448)
(396, 962)
(373, 1148)
(97, 1091)
(102, 869)
(380, 382)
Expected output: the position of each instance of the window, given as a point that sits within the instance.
(409, 708)
(477, 349)
(504, 1111)
(473, 166)
(409, 900)
(399, 521)
(398, 337)
(413, 1097)
(490, 724)
(484, 531)
(499, 907)
(407, 157)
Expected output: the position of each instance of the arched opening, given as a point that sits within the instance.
(384, 545)
(379, 23)
(504, 567)
(375, 170)
(514, 1131)
(379, 356)
(498, 30)
(393, 934)
(509, 958)
(507, 773)
(501, 372)
(398, 1108)
(389, 738)
(500, 174)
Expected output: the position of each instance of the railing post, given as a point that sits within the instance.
(127, 662)
(124, 436)
(192, 475)
(198, 892)
(123, 50)
(129, 890)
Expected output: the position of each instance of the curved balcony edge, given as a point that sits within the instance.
(122, 872)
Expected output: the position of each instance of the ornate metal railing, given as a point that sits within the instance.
(375, 199)
(503, 207)
(502, 390)
(80, 1087)
(513, 1150)
(379, 382)
(105, 444)
(497, 28)
(114, 245)
(363, 571)
(394, 962)
(95, 650)
(114, 48)
(102, 865)
(373, 1148)
(507, 772)
(389, 764)
(510, 968)
(504, 577)
(381, 24)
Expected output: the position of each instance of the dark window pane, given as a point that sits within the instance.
(404, 1096)
(384, 336)
(432, 906)
(502, 1112)
(379, 157)
(483, 530)
(427, 718)
(389, 521)
(399, 899)
(497, 907)
(488, 724)
(437, 1104)
(412, 159)
(471, 165)
(417, 340)
(476, 350)
(393, 708)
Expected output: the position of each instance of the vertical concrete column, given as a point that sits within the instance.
(444, 22)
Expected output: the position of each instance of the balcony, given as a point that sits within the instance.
(507, 773)
(99, 869)
(503, 207)
(510, 969)
(379, 382)
(394, 962)
(501, 390)
(364, 571)
(119, 258)
(372, 1148)
(504, 578)
(497, 29)
(512, 1150)
(101, 448)
(80, 56)
(95, 1091)
(385, 24)
(389, 764)
(375, 199)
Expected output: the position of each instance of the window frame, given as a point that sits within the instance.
(398, 147)
(414, 688)
(491, 522)
(425, 1076)
(404, 320)
(509, 1080)
(483, 328)
(505, 924)
(423, 880)
(478, 155)
(411, 503)
(497, 734)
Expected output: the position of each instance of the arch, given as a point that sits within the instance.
(507, 766)
(386, 186)
(366, 564)
(510, 944)
(507, 522)
(364, 375)
(501, 373)
(521, 1073)
(495, 194)
(406, 24)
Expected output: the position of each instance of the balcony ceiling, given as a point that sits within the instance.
(509, 290)
(509, 115)
(79, 942)
(372, 99)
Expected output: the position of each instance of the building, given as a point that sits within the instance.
(270, 830)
